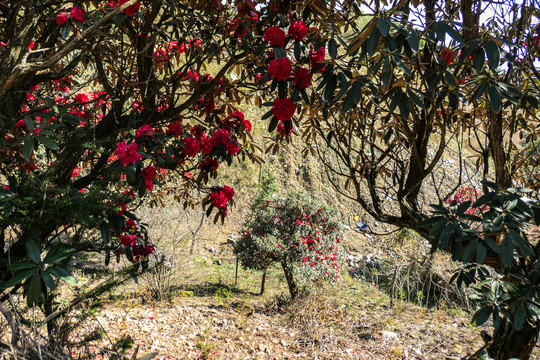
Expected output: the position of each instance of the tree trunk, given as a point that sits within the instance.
(509, 343)
(290, 280)
(263, 281)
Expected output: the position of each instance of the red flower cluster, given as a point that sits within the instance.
(127, 154)
(148, 174)
(302, 78)
(463, 194)
(221, 196)
(447, 55)
(130, 10)
(283, 109)
(298, 30)
(175, 129)
(280, 69)
(221, 138)
(316, 58)
(281, 129)
(275, 36)
(145, 130)
(192, 146)
(77, 15)
(236, 121)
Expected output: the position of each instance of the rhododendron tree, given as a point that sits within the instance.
(298, 233)
(117, 88)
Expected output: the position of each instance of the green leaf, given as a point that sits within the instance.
(105, 232)
(48, 280)
(28, 148)
(29, 123)
(453, 33)
(521, 243)
(58, 253)
(479, 59)
(494, 98)
(450, 78)
(415, 98)
(470, 250)
(34, 290)
(480, 90)
(373, 41)
(273, 124)
(492, 51)
(463, 206)
(22, 266)
(481, 252)
(520, 316)
(353, 97)
(34, 253)
(412, 39)
(491, 185)
(383, 26)
(507, 251)
(445, 236)
(386, 71)
(402, 65)
(330, 88)
(62, 274)
(482, 315)
(404, 106)
(47, 142)
(18, 278)
(332, 48)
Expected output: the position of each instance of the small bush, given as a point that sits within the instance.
(297, 232)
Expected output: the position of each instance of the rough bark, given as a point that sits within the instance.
(509, 343)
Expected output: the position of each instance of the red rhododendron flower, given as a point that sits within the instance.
(302, 78)
(130, 10)
(245, 7)
(247, 125)
(128, 240)
(280, 69)
(175, 129)
(219, 199)
(222, 196)
(275, 36)
(209, 164)
(298, 30)
(160, 55)
(127, 154)
(228, 191)
(258, 78)
(148, 175)
(191, 146)
(80, 97)
(283, 109)
(145, 130)
(239, 29)
(61, 18)
(235, 121)
(232, 147)
(447, 55)
(316, 58)
(77, 15)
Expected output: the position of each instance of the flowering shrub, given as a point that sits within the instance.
(466, 194)
(297, 232)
